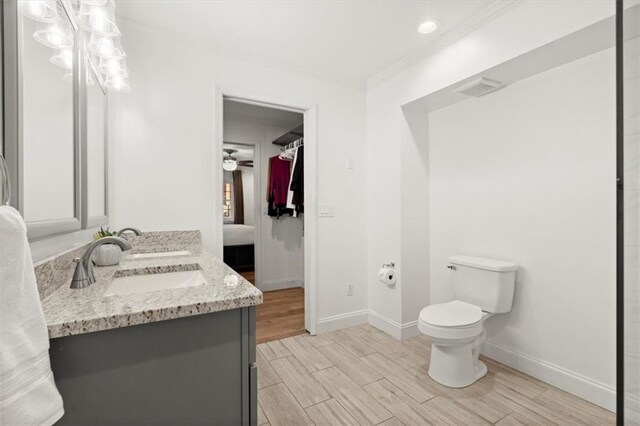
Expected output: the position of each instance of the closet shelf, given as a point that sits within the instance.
(290, 136)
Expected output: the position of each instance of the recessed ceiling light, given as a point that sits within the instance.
(427, 27)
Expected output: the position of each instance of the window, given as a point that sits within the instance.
(226, 200)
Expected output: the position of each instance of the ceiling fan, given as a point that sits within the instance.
(230, 163)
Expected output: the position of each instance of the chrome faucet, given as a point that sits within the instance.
(132, 229)
(83, 275)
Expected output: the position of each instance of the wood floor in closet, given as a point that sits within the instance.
(280, 315)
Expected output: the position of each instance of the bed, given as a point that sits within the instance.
(239, 246)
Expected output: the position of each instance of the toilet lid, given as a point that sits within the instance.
(451, 314)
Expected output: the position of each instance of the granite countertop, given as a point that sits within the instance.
(77, 311)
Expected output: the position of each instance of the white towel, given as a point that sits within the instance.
(28, 394)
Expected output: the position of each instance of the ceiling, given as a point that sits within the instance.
(254, 113)
(351, 41)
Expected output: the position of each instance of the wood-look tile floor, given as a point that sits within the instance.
(361, 376)
(280, 315)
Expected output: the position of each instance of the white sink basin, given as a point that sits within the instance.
(158, 254)
(153, 282)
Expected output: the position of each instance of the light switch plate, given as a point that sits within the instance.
(327, 210)
(350, 163)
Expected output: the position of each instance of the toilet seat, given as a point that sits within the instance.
(453, 320)
(451, 314)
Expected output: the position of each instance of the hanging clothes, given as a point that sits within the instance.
(290, 204)
(279, 176)
(297, 181)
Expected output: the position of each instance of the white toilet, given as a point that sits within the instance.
(481, 288)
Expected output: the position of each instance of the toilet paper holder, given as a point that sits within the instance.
(389, 265)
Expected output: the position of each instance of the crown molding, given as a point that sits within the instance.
(468, 26)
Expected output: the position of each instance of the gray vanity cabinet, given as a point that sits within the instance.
(193, 370)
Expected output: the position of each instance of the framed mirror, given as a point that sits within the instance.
(47, 134)
(96, 147)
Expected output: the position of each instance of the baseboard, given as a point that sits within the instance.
(389, 326)
(393, 328)
(569, 381)
(336, 322)
(410, 329)
(364, 316)
(270, 285)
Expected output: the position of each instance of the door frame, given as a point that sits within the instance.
(620, 341)
(310, 112)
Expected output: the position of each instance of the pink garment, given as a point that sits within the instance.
(279, 180)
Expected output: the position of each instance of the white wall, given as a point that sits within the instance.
(414, 227)
(632, 223)
(281, 243)
(161, 151)
(527, 174)
(389, 135)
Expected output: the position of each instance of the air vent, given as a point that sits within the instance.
(479, 87)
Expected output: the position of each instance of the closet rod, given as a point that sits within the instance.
(295, 144)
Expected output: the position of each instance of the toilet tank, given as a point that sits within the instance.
(486, 283)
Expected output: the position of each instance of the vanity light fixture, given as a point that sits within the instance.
(63, 59)
(98, 19)
(113, 67)
(117, 83)
(427, 27)
(53, 35)
(40, 10)
(106, 47)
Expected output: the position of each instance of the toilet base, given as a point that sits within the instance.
(456, 366)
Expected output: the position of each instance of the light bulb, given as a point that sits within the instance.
(54, 36)
(98, 19)
(117, 83)
(40, 10)
(113, 67)
(106, 47)
(63, 59)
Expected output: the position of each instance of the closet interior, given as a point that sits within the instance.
(263, 210)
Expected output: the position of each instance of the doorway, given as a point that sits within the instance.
(264, 226)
